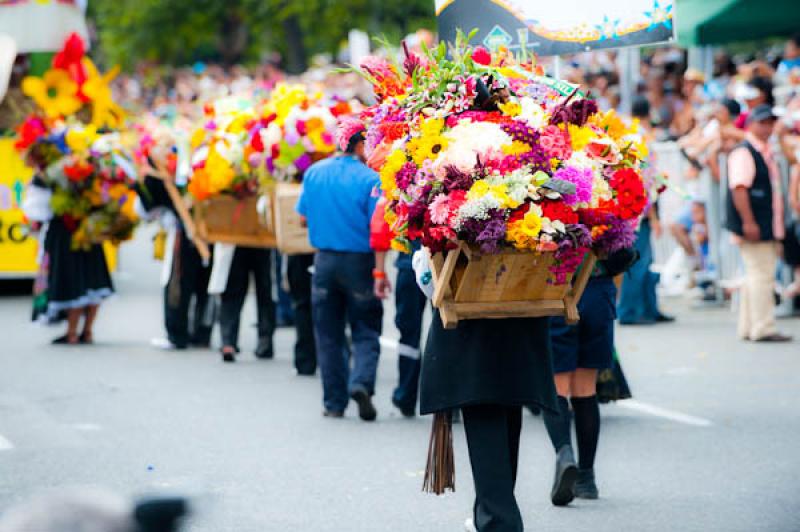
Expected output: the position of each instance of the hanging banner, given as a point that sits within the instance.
(17, 249)
(556, 27)
(42, 25)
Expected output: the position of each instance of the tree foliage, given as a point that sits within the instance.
(242, 31)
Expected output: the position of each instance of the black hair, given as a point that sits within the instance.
(352, 144)
(795, 38)
(732, 106)
(764, 86)
(640, 107)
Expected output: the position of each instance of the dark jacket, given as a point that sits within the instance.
(760, 200)
(501, 362)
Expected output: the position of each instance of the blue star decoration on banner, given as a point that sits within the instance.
(608, 29)
(659, 16)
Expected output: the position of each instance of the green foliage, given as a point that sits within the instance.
(241, 31)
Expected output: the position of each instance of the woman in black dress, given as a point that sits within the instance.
(490, 369)
(77, 280)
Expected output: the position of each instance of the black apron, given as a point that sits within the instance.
(492, 361)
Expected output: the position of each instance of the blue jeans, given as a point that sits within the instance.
(410, 303)
(342, 291)
(637, 301)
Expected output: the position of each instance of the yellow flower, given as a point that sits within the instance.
(400, 246)
(284, 98)
(523, 233)
(394, 162)
(517, 147)
(611, 122)
(480, 188)
(55, 93)
(510, 108)
(580, 136)
(79, 140)
(220, 172)
(429, 143)
(198, 137)
(105, 111)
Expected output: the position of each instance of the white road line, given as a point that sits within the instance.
(5, 444)
(389, 343)
(657, 411)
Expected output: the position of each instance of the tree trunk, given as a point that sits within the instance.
(296, 58)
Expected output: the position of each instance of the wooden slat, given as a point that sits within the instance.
(443, 283)
(509, 309)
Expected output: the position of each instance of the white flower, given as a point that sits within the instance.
(466, 142)
(532, 113)
(477, 209)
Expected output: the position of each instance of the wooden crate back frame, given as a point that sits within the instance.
(510, 284)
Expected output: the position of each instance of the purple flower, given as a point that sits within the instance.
(621, 234)
(577, 112)
(456, 179)
(489, 233)
(582, 179)
(405, 176)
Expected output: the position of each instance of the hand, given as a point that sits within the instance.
(382, 288)
(751, 231)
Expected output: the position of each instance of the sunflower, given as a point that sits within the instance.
(56, 93)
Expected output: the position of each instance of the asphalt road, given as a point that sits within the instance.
(710, 442)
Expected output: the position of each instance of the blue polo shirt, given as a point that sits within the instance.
(338, 199)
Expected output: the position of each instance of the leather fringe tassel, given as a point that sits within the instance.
(440, 471)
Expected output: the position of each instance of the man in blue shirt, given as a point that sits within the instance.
(338, 199)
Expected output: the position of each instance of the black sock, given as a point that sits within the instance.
(558, 425)
(587, 429)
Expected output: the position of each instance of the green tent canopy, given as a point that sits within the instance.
(702, 22)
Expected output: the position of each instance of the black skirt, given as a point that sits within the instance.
(500, 362)
(76, 279)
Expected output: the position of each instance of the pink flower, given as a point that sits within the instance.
(440, 209)
(556, 143)
(348, 126)
(482, 56)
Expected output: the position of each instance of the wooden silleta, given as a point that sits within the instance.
(509, 284)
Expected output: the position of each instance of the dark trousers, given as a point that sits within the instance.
(342, 292)
(257, 261)
(637, 300)
(305, 350)
(493, 441)
(410, 305)
(283, 310)
(187, 316)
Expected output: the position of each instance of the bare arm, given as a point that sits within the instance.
(794, 189)
(741, 200)
(381, 286)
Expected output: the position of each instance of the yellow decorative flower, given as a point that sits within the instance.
(580, 136)
(611, 122)
(105, 111)
(523, 233)
(429, 143)
(56, 93)
(394, 162)
(480, 188)
(510, 109)
(79, 140)
(517, 147)
(220, 172)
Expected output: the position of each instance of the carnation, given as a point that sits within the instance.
(582, 179)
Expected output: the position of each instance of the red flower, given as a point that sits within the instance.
(518, 213)
(558, 210)
(29, 132)
(78, 172)
(482, 56)
(631, 198)
(69, 59)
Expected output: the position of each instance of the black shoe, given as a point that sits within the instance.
(535, 410)
(663, 318)
(228, 355)
(405, 410)
(566, 475)
(333, 414)
(264, 351)
(64, 340)
(366, 410)
(585, 488)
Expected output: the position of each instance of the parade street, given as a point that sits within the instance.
(709, 443)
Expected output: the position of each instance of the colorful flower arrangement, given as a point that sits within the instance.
(76, 151)
(296, 129)
(481, 148)
(218, 161)
(241, 145)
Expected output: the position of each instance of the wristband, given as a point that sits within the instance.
(378, 274)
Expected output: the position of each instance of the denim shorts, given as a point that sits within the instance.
(590, 343)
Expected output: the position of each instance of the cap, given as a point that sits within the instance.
(760, 113)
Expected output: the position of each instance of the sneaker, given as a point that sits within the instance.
(585, 488)
(469, 525)
(366, 410)
(264, 350)
(163, 344)
(565, 477)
